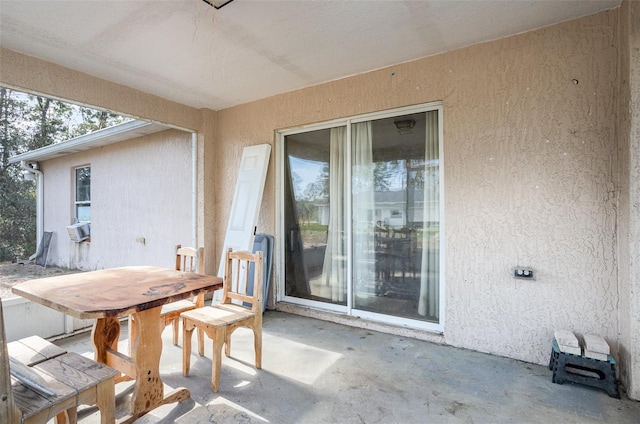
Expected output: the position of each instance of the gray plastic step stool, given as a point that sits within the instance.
(587, 371)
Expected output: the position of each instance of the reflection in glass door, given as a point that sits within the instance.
(396, 226)
(315, 266)
(362, 217)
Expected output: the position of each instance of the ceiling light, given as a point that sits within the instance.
(405, 126)
(217, 3)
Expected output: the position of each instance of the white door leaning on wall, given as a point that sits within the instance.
(243, 216)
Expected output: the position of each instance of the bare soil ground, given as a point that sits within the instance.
(14, 273)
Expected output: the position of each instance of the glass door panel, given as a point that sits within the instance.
(314, 221)
(361, 217)
(396, 225)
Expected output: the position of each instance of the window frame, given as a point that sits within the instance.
(76, 202)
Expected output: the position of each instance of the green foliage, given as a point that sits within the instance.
(17, 197)
(314, 226)
(318, 189)
(30, 122)
(94, 120)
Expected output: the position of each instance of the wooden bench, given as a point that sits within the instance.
(40, 381)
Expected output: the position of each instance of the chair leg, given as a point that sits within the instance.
(216, 359)
(227, 345)
(200, 341)
(187, 332)
(176, 329)
(257, 346)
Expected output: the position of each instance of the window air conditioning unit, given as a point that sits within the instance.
(79, 232)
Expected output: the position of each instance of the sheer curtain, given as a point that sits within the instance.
(363, 206)
(334, 266)
(428, 304)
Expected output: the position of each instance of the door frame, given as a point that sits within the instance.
(279, 266)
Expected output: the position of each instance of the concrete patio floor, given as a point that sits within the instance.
(320, 372)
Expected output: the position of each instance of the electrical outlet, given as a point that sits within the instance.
(523, 273)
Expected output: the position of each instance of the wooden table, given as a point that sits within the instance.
(111, 293)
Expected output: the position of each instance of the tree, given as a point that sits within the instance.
(17, 197)
(94, 120)
(29, 122)
(318, 189)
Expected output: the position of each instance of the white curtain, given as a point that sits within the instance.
(428, 304)
(363, 207)
(334, 267)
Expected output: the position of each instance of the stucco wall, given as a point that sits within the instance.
(140, 189)
(630, 315)
(529, 163)
(37, 76)
(34, 75)
(623, 221)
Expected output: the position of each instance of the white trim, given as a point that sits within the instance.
(313, 127)
(103, 137)
(77, 202)
(406, 110)
(442, 229)
(399, 321)
(194, 190)
(348, 217)
(324, 306)
(278, 249)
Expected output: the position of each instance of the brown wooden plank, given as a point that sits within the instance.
(78, 375)
(32, 403)
(115, 292)
(44, 347)
(33, 350)
(24, 354)
(121, 362)
(88, 366)
(28, 401)
(67, 374)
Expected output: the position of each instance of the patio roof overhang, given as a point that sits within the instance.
(192, 54)
(122, 132)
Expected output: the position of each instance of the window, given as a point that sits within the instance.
(360, 206)
(83, 194)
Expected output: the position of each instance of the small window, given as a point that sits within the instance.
(83, 194)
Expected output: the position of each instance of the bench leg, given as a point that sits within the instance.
(106, 401)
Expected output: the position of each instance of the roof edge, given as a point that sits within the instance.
(84, 142)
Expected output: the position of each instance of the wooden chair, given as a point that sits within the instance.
(219, 321)
(188, 259)
(50, 383)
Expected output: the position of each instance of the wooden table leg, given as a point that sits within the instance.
(148, 391)
(105, 335)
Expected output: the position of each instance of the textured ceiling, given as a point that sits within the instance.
(188, 52)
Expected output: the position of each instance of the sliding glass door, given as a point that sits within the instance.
(314, 215)
(361, 214)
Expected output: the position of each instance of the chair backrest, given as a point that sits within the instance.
(189, 259)
(236, 277)
(9, 413)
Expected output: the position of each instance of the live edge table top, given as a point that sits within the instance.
(115, 292)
